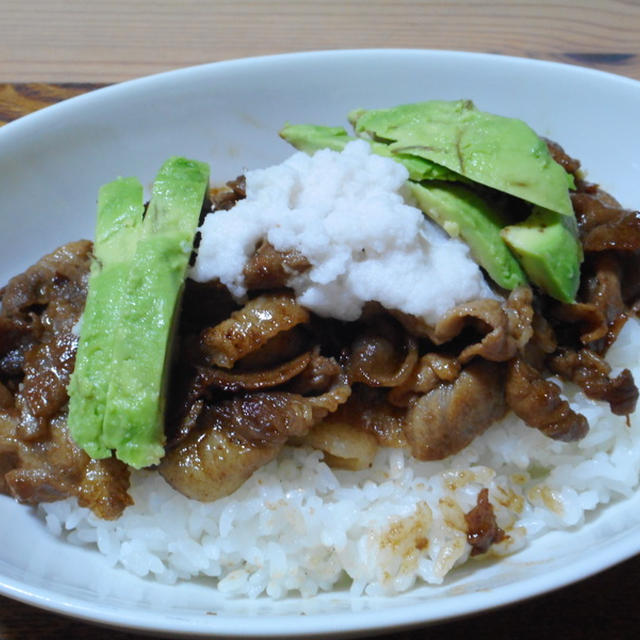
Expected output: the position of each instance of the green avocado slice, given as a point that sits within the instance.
(120, 208)
(502, 153)
(133, 422)
(311, 138)
(461, 212)
(548, 248)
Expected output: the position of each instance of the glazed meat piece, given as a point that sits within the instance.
(225, 199)
(47, 298)
(43, 394)
(569, 164)
(57, 281)
(38, 460)
(383, 354)
(506, 327)
(234, 438)
(537, 401)
(601, 312)
(251, 327)
(268, 268)
(317, 377)
(591, 373)
(209, 465)
(17, 336)
(430, 371)
(581, 318)
(253, 380)
(308, 373)
(368, 410)
(53, 468)
(602, 288)
(604, 224)
(447, 418)
(482, 528)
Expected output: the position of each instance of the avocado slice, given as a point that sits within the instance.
(502, 153)
(461, 212)
(120, 208)
(548, 248)
(133, 421)
(311, 138)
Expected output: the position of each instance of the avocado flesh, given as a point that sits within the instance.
(311, 138)
(461, 212)
(549, 250)
(502, 153)
(472, 146)
(120, 208)
(133, 422)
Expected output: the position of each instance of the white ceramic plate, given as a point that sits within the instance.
(51, 165)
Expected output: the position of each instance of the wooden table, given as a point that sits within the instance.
(54, 49)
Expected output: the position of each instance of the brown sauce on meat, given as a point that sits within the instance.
(39, 462)
(482, 527)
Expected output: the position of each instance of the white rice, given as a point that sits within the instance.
(299, 526)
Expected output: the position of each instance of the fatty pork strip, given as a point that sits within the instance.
(38, 460)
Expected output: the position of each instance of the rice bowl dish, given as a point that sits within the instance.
(382, 549)
(296, 524)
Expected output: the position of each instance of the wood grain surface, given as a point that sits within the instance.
(54, 49)
(111, 40)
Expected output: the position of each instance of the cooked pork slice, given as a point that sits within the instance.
(482, 528)
(591, 372)
(58, 279)
(429, 372)
(602, 287)
(39, 462)
(54, 467)
(447, 418)
(569, 164)
(226, 380)
(307, 374)
(234, 438)
(269, 268)
(209, 465)
(17, 335)
(317, 377)
(505, 327)
(604, 224)
(601, 311)
(226, 198)
(368, 409)
(537, 401)
(584, 319)
(383, 354)
(251, 327)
